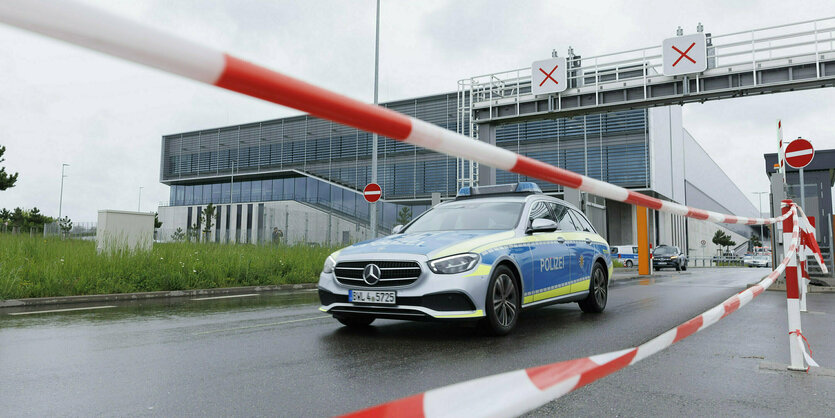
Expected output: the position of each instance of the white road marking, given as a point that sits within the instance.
(261, 325)
(61, 310)
(227, 297)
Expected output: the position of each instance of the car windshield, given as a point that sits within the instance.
(469, 215)
(664, 251)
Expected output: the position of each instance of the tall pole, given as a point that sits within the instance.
(61, 196)
(760, 202)
(373, 219)
(139, 203)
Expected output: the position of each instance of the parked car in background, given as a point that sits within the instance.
(626, 254)
(669, 256)
(758, 260)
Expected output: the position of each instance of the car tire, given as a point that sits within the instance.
(678, 266)
(355, 321)
(502, 302)
(598, 291)
(684, 265)
(628, 263)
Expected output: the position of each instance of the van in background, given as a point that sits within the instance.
(626, 254)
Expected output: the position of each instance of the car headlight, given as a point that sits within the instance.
(673, 257)
(330, 263)
(454, 264)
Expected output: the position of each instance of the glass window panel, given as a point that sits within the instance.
(278, 189)
(217, 193)
(324, 195)
(236, 192)
(300, 185)
(256, 190)
(207, 193)
(181, 190)
(189, 195)
(246, 190)
(349, 202)
(198, 194)
(311, 190)
(266, 190)
(336, 198)
(172, 195)
(225, 192)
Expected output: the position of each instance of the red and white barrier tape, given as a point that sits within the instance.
(92, 28)
(516, 392)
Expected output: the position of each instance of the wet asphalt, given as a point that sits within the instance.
(277, 355)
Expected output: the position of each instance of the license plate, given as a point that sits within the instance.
(371, 296)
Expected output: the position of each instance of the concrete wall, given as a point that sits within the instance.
(667, 153)
(297, 223)
(121, 230)
(703, 230)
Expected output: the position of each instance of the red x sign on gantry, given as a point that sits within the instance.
(548, 76)
(684, 54)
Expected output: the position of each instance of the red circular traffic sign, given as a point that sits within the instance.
(372, 192)
(799, 153)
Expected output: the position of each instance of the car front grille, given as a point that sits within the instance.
(393, 273)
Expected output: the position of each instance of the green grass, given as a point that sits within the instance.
(38, 267)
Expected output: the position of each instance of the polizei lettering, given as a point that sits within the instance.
(551, 263)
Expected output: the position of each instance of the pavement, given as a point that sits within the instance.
(275, 354)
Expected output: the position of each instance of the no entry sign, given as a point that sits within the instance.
(372, 192)
(799, 153)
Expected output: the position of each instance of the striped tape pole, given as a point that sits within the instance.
(792, 288)
(514, 393)
(92, 28)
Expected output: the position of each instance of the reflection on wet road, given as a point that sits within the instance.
(272, 354)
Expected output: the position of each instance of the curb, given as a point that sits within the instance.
(152, 295)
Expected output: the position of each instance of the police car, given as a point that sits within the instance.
(487, 255)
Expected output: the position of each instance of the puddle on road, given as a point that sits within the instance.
(151, 309)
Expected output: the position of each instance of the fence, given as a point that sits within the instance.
(79, 230)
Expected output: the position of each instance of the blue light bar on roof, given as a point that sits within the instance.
(522, 187)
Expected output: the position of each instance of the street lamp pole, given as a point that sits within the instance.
(139, 204)
(61, 196)
(373, 211)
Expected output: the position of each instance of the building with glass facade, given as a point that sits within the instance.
(300, 178)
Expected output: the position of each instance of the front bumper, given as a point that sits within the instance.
(433, 296)
(665, 263)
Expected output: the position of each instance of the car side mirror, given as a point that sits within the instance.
(542, 225)
(396, 229)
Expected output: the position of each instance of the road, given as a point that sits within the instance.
(278, 355)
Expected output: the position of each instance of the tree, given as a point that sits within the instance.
(178, 235)
(404, 216)
(157, 223)
(7, 181)
(66, 226)
(722, 239)
(5, 218)
(755, 241)
(18, 218)
(209, 216)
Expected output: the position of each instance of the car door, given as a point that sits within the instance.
(551, 258)
(586, 237)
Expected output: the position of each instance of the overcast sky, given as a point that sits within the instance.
(105, 117)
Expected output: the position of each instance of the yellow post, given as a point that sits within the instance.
(644, 266)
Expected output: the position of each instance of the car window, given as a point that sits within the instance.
(634, 250)
(468, 215)
(581, 222)
(539, 210)
(563, 219)
(614, 250)
(664, 250)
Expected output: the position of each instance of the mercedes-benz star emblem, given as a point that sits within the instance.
(371, 274)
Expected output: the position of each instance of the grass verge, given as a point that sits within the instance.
(38, 267)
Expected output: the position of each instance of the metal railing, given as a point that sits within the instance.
(752, 50)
